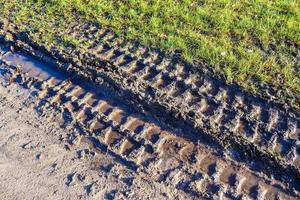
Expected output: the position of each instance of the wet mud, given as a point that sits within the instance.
(148, 137)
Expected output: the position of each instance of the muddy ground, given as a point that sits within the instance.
(100, 133)
(36, 162)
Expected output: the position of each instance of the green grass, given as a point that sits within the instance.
(247, 42)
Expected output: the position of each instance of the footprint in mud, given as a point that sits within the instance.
(70, 179)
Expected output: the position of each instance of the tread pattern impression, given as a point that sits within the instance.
(147, 147)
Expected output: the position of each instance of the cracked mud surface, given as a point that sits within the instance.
(84, 141)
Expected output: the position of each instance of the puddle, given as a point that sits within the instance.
(29, 64)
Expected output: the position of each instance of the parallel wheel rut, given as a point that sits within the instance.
(142, 144)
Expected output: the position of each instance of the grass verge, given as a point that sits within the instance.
(247, 42)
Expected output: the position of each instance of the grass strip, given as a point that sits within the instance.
(248, 42)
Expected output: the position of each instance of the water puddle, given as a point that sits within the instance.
(29, 64)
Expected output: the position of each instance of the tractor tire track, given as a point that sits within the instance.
(166, 85)
(143, 145)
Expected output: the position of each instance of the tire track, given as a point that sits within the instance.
(230, 114)
(144, 145)
(254, 125)
(203, 101)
